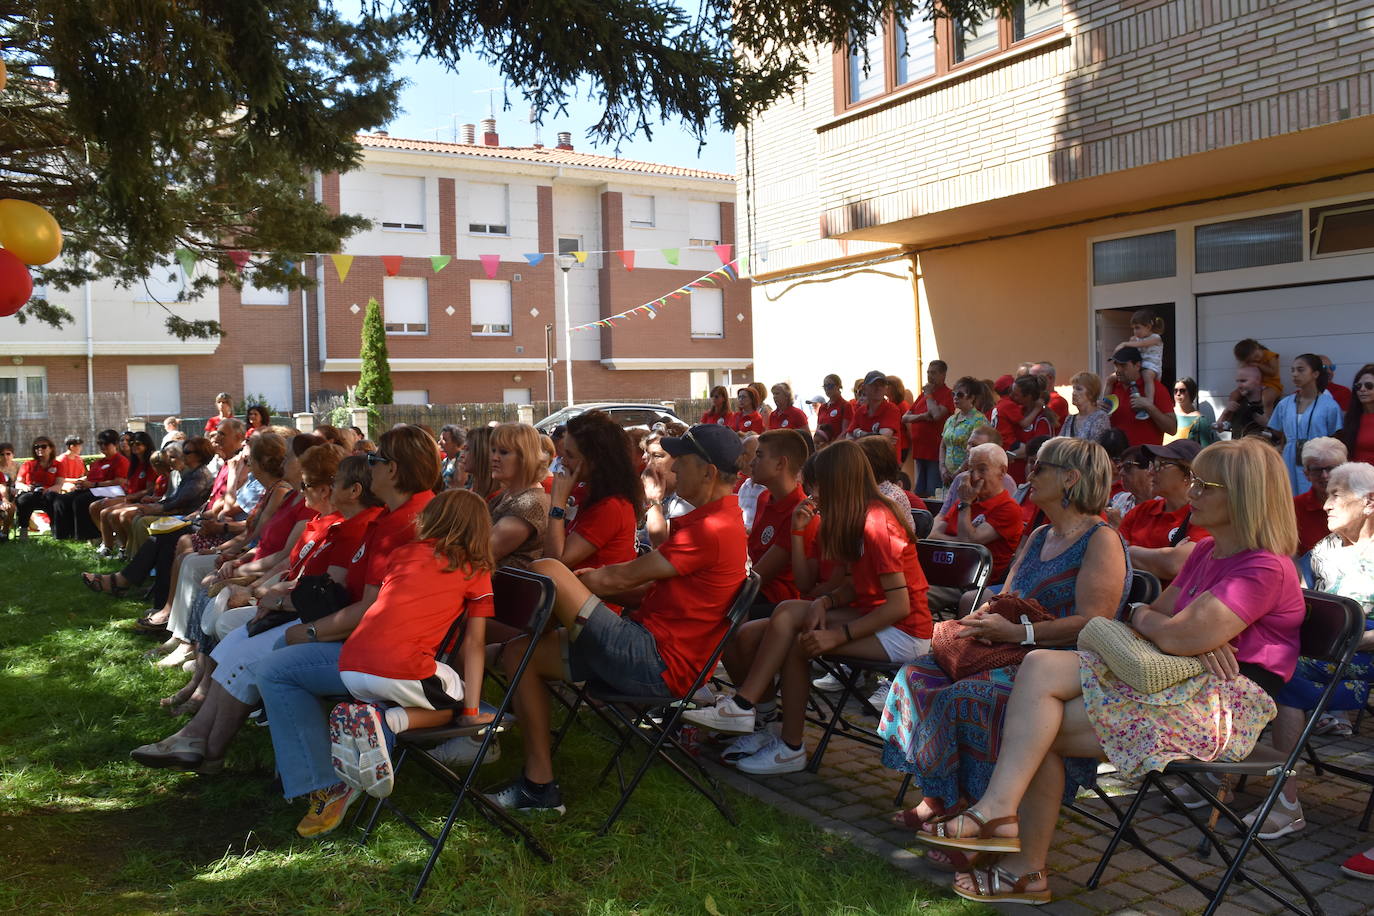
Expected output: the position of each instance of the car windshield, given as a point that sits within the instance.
(559, 417)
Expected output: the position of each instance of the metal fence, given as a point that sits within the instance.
(57, 416)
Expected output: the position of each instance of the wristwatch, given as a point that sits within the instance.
(962, 505)
(310, 633)
(1030, 631)
(557, 512)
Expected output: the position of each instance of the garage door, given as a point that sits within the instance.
(1333, 319)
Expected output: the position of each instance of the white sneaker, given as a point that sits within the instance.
(878, 699)
(1192, 800)
(743, 747)
(774, 758)
(463, 750)
(704, 696)
(726, 716)
(103, 551)
(1282, 820)
(829, 683)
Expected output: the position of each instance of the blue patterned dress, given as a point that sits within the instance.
(948, 734)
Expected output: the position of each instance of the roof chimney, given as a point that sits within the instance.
(564, 140)
(489, 137)
(469, 134)
(382, 133)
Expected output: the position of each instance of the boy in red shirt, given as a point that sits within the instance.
(777, 467)
(683, 589)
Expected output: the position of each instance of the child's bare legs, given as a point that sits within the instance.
(1148, 378)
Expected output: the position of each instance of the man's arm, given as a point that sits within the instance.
(625, 580)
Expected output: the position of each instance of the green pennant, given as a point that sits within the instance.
(440, 261)
(670, 255)
(187, 258)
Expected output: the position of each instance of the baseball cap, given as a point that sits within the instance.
(874, 376)
(1184, 450)
(1127, 354)
(713, 444)
(818, 399)
(1003, 384)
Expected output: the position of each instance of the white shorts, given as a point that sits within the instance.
(901, 646)
(441, 690)
(235, 655)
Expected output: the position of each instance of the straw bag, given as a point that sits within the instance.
(1133, 658)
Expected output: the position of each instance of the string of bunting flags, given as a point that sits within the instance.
(730, 270)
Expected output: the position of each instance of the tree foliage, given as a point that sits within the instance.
(146, 126)
(374, 376)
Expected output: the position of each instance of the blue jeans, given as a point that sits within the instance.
(292, 680)
(928, 478)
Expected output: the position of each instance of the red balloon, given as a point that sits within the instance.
(16, 284)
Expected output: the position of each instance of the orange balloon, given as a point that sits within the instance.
(29, 232)
(4, 76)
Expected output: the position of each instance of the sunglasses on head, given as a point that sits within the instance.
(697, 447)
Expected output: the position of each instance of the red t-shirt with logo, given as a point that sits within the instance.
(1139, 432)
(1004, 515)
(107, 467)
(71, 466)
(417, 605)
(888, 549)
(686, 614)
(137, 481)
(1151, 524)
(773, 528)
(388, 531)
(609, 526)
(33, 474)
(722, 418)
(790, 418)
(1311, 520)
(331, 541)
(884, 416)
(834, 417)
(751, 422)
(925, 437)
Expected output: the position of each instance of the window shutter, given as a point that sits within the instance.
(405, 305)
(488, 205)
(703, 221)
(708, 308)
(639, 210)
(490, 307)
(403, 202)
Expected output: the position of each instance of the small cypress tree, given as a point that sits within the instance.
(374, 378)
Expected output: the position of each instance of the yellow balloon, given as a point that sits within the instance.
(29, 232)
(4, 76)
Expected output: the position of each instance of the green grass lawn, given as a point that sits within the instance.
(85, 830)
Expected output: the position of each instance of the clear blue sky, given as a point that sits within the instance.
(436, 99)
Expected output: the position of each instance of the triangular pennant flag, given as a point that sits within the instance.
(723, 252)
(439, 261)
(392, 263)
(342, 264)
(490, 263)
(627, 258)
(581, 256)
(187, 259)
(670, 255)
(290, 266)
(741, 265)
(239, 257)
(534, 259)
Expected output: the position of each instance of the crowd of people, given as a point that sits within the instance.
(288, 567)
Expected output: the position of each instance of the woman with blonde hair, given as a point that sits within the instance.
(1236, 606)
(1091, 420)
(761, 401)
(521, 515)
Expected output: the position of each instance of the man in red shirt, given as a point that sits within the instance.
(875, 415)
(787, 415)
(1320, 456)
(777, 467)
(927, 419)
(1159, 531)
(985, 512)
(833, 413)
(1045, 369)
(1145, 417)
(683, 589)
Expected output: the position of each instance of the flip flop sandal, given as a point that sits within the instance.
(995, 884)
(985, 841)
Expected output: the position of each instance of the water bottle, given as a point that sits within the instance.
(1139, 414)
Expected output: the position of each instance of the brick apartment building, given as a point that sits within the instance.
(454, 334)
(1013, 191)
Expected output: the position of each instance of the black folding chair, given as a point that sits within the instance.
(523, 600)
(1330, 632)
(952, 564)
(660, 735)
(932, 505)
(922, 521)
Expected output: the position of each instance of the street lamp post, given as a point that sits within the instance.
(566, 263)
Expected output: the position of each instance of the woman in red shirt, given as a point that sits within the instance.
(71, 511)
(719, 414)
(39, 481)
(787, 415)
(747, 419)
(1358, 434)
(597, 496)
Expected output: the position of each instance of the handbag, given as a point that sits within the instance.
(1133, 658)
(270, 621)
(962, 656)
(314, 597)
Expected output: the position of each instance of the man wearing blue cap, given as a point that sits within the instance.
(683, 590)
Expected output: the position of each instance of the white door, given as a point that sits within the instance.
(1329, 319)
(273, 382)
(154, 391)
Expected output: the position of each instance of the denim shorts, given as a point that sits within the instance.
(617, 652)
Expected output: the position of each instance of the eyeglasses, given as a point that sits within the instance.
(41, 448)
(697, 447)
(833, 385)
(309, 485)
(1134, 466)
(960, 394)
(1197, 486)
(1322, 471)
(1180, 391)
(1035, 467)
(1161, 465)
(1365, 386)
(376, 458)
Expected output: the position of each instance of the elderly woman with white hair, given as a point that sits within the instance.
(1342, 564)
(947, 733)
(1320, 456)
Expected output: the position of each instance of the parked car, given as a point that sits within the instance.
(625, 414)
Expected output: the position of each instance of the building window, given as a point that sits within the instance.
(489, 206)
(405, 305)
(703, 222)
(270, 381)
(1339, 229)
(1254, 242)
(1139, 257)
(708, 313)
(252, 294)
(906, 51)
(23, 392)
(403, 203)
(154, 391)
(165, 283)
(516, 396)
(639, 211)
(410, 396)
(490, 308)
(567, 244)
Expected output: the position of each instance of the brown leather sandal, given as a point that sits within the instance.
(985, 841)
(995, 884)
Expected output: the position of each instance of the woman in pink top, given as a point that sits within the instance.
(1236, 606)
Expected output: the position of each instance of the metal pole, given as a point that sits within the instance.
(90, 358)
(567, 336)
(548, 366)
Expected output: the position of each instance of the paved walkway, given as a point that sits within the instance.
(853, 795)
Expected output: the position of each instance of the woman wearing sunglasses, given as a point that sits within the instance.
(39, 481)
(1358, 432)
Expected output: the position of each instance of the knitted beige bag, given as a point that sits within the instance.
(1133, 658)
